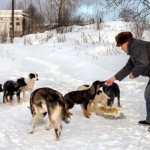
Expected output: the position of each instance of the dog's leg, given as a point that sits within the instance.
(48, 126)
(60, 120)
(118, 98)
(57, 131)
(18, 97)
(4, 97)
(95, 104)
(69, 106)
(11, 99)
(34, 120)
(84, 109)
(53, 116)
(7, 99)
(31, 90)
(88, 108)
(24, 95)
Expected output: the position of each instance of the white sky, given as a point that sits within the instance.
(4, 4)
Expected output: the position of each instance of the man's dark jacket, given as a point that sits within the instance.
(139, 60)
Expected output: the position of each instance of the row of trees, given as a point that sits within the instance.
(63, 12)
(51, 12)
(137, 12)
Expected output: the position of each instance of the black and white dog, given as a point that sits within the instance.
(13, 87)
(82, 97)
(46, 100)
(112, 92)
(30, 81)
(100, 97)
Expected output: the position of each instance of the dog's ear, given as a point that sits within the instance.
(21, 82)
(31, 75)
(92, 90)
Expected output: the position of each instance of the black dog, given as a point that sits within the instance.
(13, 87)
(82, 97)
(112, 92)
(1, 88)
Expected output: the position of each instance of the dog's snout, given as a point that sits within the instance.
(109, 102)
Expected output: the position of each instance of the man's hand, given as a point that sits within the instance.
(131, 76)
(110, 81)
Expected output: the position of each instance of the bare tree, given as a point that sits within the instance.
(141, 7)
(22, 4)
(61, 11)
(136, 12)
(39, 2)
(98, 17)
(36, 18)
(126, 14)
(3, 35)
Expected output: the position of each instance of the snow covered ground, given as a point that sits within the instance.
(64, 66)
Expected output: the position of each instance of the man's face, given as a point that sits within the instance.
(124, 47)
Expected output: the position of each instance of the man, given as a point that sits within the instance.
(138, 64)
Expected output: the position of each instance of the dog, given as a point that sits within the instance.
(30, 81)
(100, 97)
(13, 87)
(112, 92)
(1, 88)
(82, 97)
(48, 101)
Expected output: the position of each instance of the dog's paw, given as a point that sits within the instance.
(120, 106)
(47, 127)
(25, 100)
(19, 103)
(87, 116)
(30, 130)
(10, 103)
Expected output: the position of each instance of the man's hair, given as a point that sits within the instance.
(122, 38)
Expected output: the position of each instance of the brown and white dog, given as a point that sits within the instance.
(30, 81)
(82, 97)
(48, 101)
(100, 97)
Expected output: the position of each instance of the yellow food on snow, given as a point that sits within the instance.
(102, 109)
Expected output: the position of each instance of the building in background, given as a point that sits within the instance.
(21, 22)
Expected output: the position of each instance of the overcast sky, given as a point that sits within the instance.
(4, 4)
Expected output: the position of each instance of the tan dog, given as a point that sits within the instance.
(48, 101)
